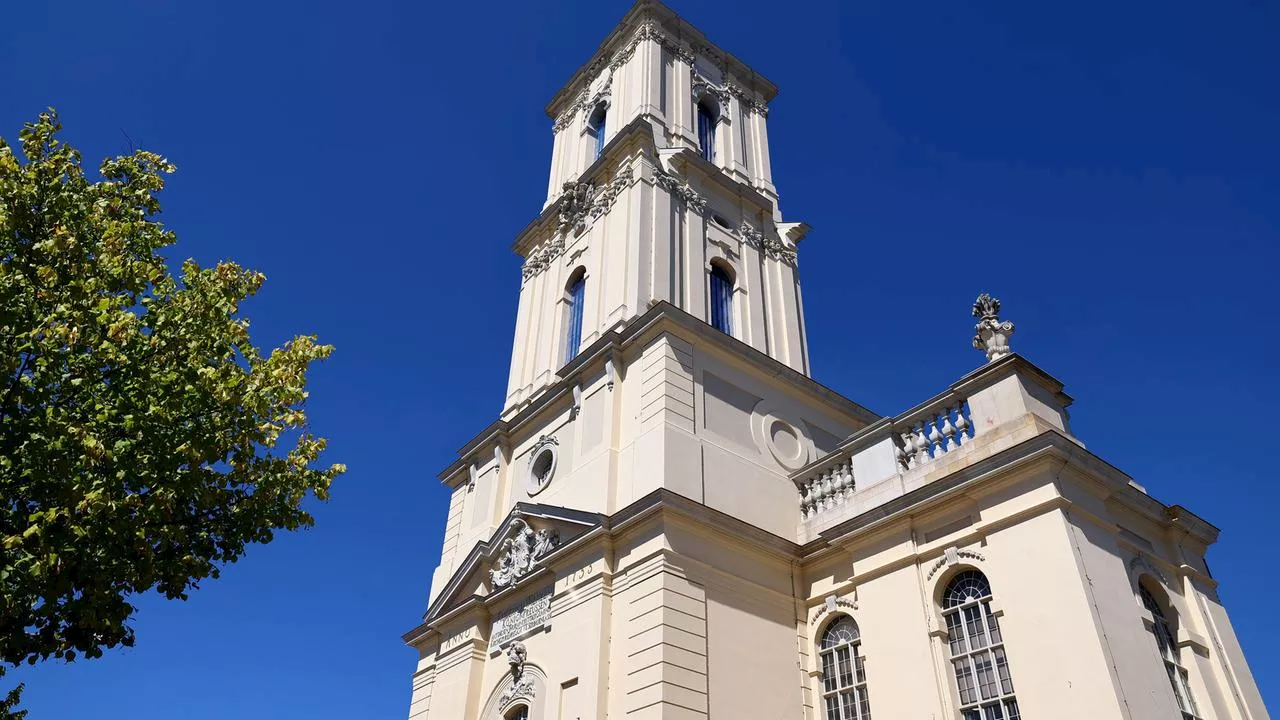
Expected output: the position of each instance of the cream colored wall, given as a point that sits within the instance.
(1119, 548)
(649, 246)
(682, 415)
(655, 84)
(675, 617)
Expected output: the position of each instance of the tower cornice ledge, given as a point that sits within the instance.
(661, 317)
(635, 140)
(680, 34)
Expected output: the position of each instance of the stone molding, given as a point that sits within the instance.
(951, 556)
(831, 606)
(684, 52)
(581, 204)
(681, 189)
(771, 247)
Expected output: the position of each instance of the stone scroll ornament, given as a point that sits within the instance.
(991, 334)
(522, 548)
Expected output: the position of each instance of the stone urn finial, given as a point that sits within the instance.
(992, 335)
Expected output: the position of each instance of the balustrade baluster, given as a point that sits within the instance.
(922, 446)
(962, 424)
(899, 454)
(935, 437)
(948, 432)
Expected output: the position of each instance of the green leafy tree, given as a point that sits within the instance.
(144, 440)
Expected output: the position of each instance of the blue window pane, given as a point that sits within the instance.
(721, 301)
(600, 135)
(706, 133)
(573, 336)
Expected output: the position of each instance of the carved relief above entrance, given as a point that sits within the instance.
(517, 554)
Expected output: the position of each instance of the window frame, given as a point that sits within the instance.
(597, 125)
(976, 651)
(575, 295)
(706, 122)
(843, 695)
(1166, 641)
(721, 287)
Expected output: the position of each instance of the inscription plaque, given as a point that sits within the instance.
(533, 614)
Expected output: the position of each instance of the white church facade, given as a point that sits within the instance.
(672, 519)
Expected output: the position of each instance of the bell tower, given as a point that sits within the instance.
(659, 190)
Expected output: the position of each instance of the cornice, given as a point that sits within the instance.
(649, 19)
(655, 506)
(672, 168)
(613, 160)
(661, 317)
(1050, 446)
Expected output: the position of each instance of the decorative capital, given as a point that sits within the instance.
(991, 335)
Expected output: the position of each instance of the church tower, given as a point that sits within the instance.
(671, 519)
(660, 191)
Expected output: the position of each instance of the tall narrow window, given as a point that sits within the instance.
(597, 126)
(573, 328)
(721, 300)
(1169, 654)
(978, 657)
(844, 672)
(707, 115)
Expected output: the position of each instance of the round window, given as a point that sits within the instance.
(542, 465)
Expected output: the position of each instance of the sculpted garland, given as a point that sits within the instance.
(771, 247)
(580, 205)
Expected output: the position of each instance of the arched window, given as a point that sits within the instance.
(844, 673)
(708, 113)
(574, 297)
(520, 712)
(1169, 654)
(597, 126)
(721, 299)
(978, 658)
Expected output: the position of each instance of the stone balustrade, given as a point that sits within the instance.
(999, 398)
(917, 437)
(827, 486)
(925, 434)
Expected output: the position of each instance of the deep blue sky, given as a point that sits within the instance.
(1109, 170)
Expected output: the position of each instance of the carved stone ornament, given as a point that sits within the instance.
(575, 202)
(649, 30)
(581, 205)
(951, 556)
(682, 190)
(519, 551)
(771, 247)
(703, 87)
(521, 683)
(991, 334)
(540, 258)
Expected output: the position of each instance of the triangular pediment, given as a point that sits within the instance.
(517, 549)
